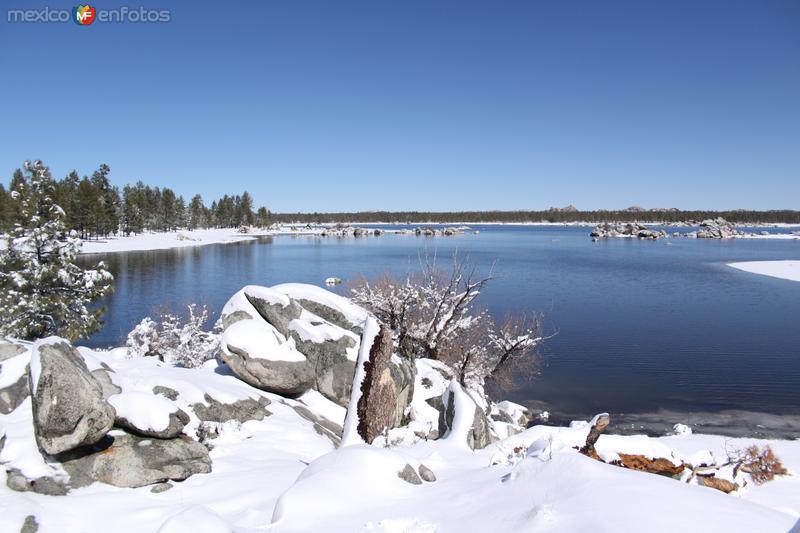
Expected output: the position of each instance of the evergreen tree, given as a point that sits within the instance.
(42, 290)
(262, 217)
(246, 206)
(197, 218)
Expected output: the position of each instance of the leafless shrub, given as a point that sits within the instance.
(433, 313)
(761, 463)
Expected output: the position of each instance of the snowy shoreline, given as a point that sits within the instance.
(789, 269)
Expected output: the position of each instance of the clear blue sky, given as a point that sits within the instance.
(420, 104)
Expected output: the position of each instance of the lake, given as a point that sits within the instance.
(644, 330)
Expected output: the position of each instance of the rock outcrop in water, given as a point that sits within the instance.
(717, 228)
(626, 230)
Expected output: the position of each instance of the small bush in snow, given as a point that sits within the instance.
(761, 463)
(175, 341)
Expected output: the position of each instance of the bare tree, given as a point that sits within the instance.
(433, 314)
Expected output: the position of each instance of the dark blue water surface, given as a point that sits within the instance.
(641, 326)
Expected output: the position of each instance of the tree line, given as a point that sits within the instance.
(93, 207)
(551, 215)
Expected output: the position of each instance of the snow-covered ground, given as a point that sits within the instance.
(184, 238)
(777, 269)
(281, 475)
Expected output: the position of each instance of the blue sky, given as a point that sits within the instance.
(424, 105)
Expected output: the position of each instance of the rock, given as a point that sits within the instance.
(333, 368)
(409, 475)
(288, 349)
(274, 307)
(158, 488)
(30, 525)
(148, 415)
(167, 392)
(9, 349)
(40, 485)
(476, 436)
(626, 230)
(14, 374)
(385, 390)
(717, 483)
(126, 460)
(426, 474)
(68, 405)
(103, 377)
(321, 425)
(241, 410)
(254, 354)
(718, 228)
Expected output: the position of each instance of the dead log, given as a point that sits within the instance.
(599, 424)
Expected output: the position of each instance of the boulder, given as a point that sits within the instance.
(426, 474)
(259, 355)
(103, 377)
(29, 525)
(385, 390)
(242, 410)
(10, 349)
(280, 346)
(69, 409)
(148, 415)
(125, 460)
(47, 485)
(409, 475)
(14, 385)
(462, 420)
(274, 307)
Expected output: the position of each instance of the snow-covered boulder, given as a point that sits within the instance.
(148, 415)
(274, 343)
(14, 386)
(462, 421)
(335, 309)
(68, 405)
(126, 460)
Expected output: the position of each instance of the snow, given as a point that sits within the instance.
(300, 291)
(280, 475)
(195, 519)
(350, 433)
(789, 269)
(20, 450)
(464, 414)
(143, 410)
(271, 296)
(310, 328)
(261, 341)
(186, 238)
(14, 368)
(322, 406)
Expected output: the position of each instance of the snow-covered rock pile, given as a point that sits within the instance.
(79, 421)
(626, 230)
(717, 228)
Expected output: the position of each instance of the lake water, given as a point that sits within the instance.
(643, 329)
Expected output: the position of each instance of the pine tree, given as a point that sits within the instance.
(42, 289)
